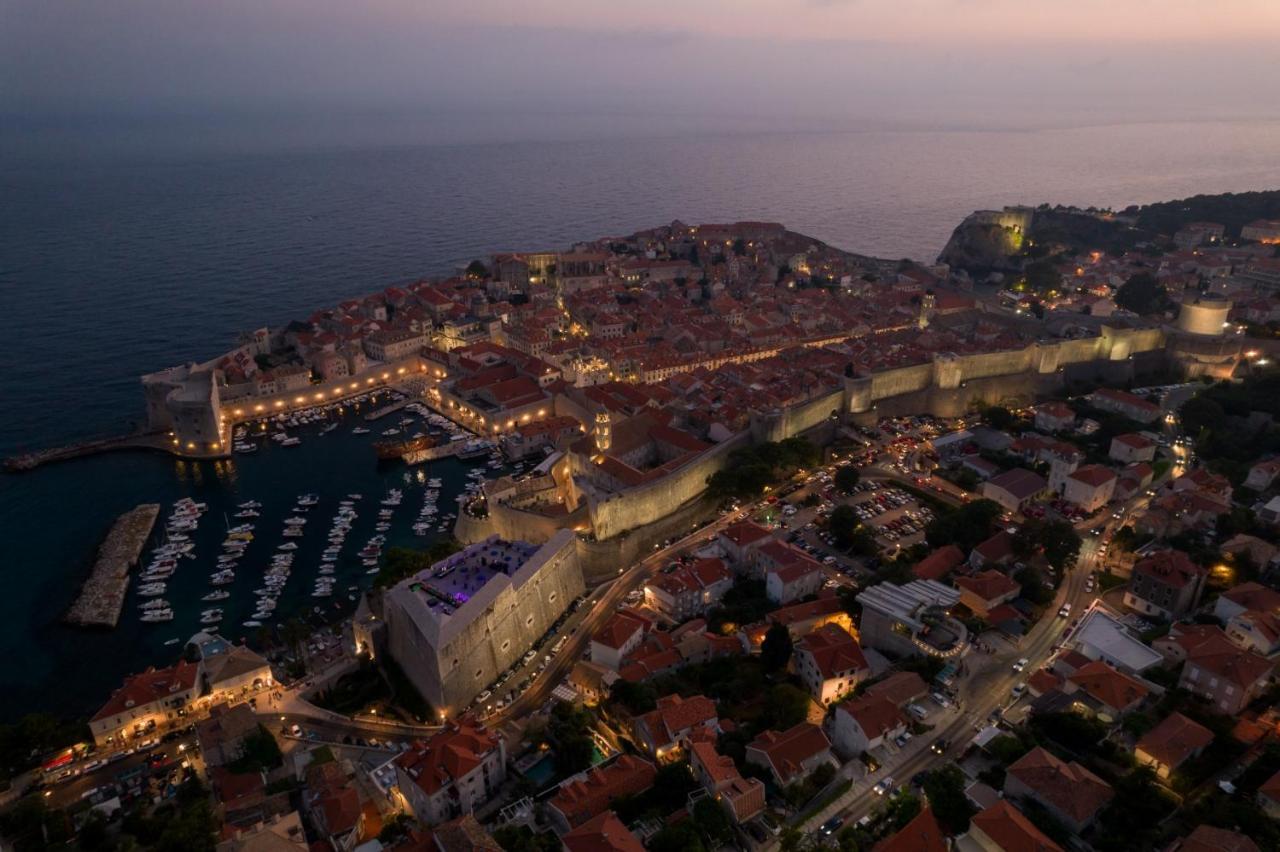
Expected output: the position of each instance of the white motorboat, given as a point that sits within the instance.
(216, 595)
(157, 615)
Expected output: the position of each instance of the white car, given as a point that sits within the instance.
(883, 787)
(1021, 664)
(1065, 612)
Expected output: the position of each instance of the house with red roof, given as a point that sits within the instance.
(740, 542)
(670, 727)
(1132, 447)
(862, 724)
(1122, 402)
(1172, 743)
(789, 573)
(1111, 693)
(994, 551)
(1208, 838)
(619, 636)
(690, 590)
(1015, 489)
(1225, 675)
(743, 798)
(830, 662)
(1072, 794)
(453, 772)
(939, 564)
(332, 803)
(603, 833)
(922, 834)
(1089, 487)
(1054, 417)
(1166, 584)
(588, 794)
(1004, 828)
(152, 700)
(792, 754)
(986, 590)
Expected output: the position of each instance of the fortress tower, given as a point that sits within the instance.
(601, 432)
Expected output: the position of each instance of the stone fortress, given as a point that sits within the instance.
(454, 627)
(632, 483)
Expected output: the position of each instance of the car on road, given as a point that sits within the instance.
(831, 826)
(1065, 611)
(941, 700)
(1018, 689)
(1021, 664)
(883, 787)
(902, 739)
(939, 746)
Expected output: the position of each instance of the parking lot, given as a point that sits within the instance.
(895, 516)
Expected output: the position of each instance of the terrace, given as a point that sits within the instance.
(452, 582)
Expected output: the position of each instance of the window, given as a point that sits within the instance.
(551, 598)
(528, 622)
(506, 644)
(479, 673)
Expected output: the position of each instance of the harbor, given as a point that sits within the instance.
(101, 599)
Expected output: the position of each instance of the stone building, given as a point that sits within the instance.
(457, 625)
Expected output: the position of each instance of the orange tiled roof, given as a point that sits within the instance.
(1175, 739)
(1069, 787)
(1011, 830)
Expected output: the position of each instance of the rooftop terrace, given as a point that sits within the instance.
(453, 581)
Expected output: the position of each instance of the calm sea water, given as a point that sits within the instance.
(115, 265)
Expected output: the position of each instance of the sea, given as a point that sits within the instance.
(117, 261)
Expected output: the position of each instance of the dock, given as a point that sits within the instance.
(440, 451)
(102, 597)
(379, 413)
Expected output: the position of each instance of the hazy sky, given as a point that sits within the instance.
(658, 64)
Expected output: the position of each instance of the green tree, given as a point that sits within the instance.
(1033, 587)
(945, 790)
(775, 650)
(998, 417)
(1058, 540)
(477, 270)
(787, 707)
(965, 526)
(712, 822)
(1142, 294)
(846, 478)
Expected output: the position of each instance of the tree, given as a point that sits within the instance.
(945, 790)
(1201, 414)
(476, 269)
(712, 822)
(998, 417)
(775, 651)
(1033, 587)
(847, 477)
(1058, 540)
(787, 707)
(965, 527)
(1142, 294)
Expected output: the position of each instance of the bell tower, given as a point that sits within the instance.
(601, 431)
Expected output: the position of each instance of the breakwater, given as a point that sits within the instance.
(102, 596)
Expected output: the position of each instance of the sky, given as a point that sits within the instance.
(537, 67)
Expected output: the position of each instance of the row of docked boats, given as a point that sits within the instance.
(153, 580)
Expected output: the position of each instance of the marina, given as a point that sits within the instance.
(102, 597)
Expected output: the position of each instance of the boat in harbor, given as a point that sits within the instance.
(157, 615)
(388, 450)
(216, 595)
(360, 430)
(308, 500)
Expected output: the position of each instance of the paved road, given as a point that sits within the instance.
(604, 607)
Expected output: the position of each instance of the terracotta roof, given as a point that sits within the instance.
(833, 650)
(620, 627)
(1175, 739)
(997, 548)
(1010, 829)
(604, 833)
(585, 796)
(1113, 688)
(448, 755)
(786, 751)
(745, 532)
(1043, 681)
(875, 715)
(1134, 440)
(675, 714)
(1019, 482)
(938, 564)
(1254, 596)
(1206, 838)
(988, 585)
(152, 685)
(1171, 568)
(922, 834)
(1271, 788)
(1093, 475)
(1068, 787)
(1217, 655)
(899, 688)
(464, 834)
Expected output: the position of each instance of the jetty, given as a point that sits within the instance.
(102, 597)
(379, 413)
(30, 461)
